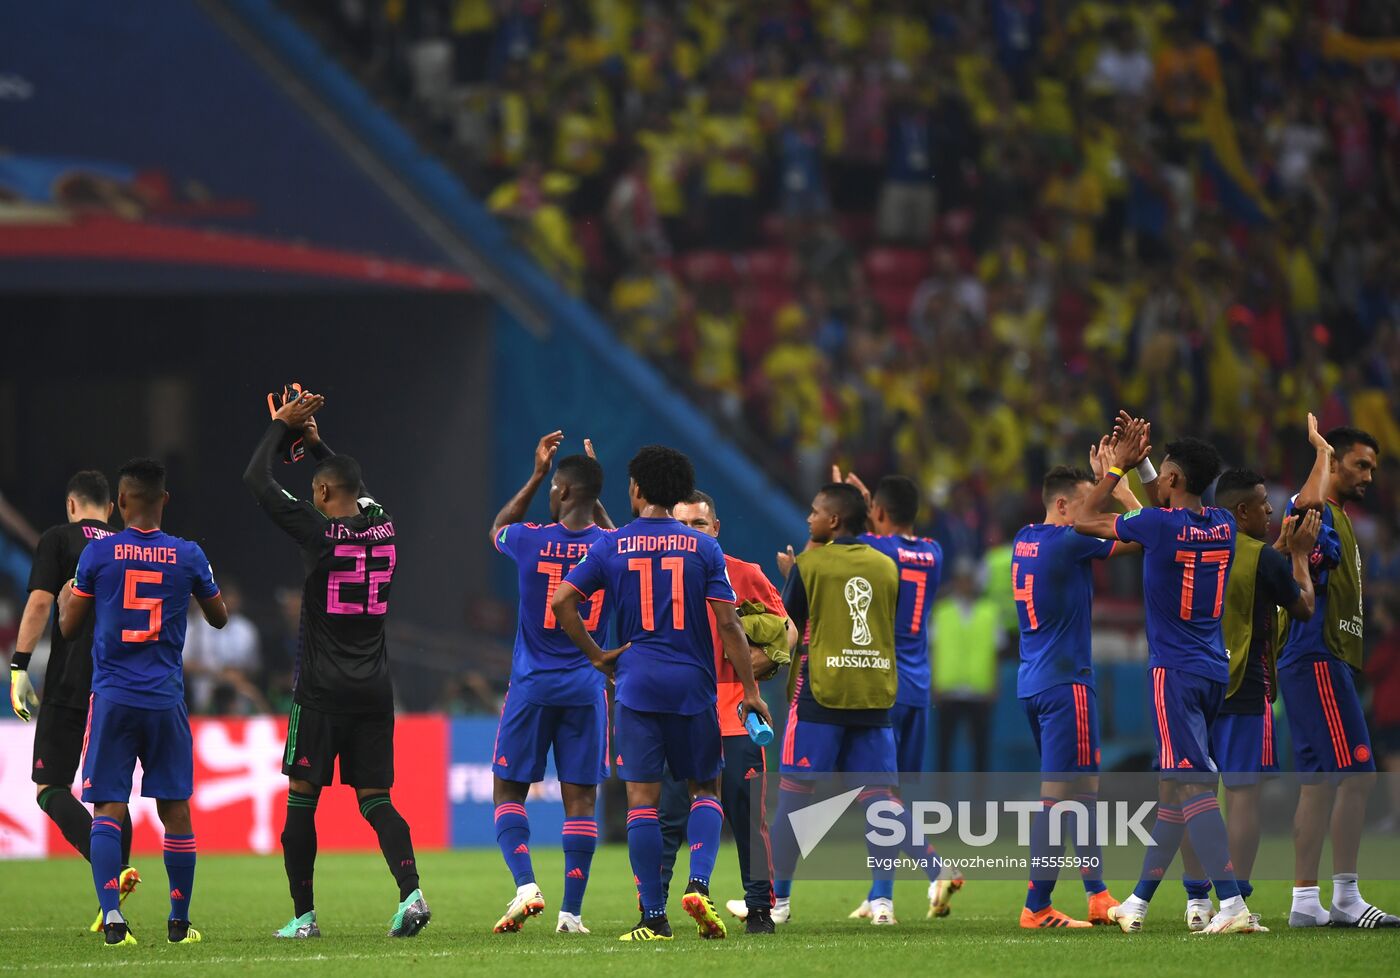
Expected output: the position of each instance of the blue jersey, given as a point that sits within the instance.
(660, 576)
(547, 669)
(1053, 582)
(1186, 562)
(140, 582)
(1307, 639)
(920, 563)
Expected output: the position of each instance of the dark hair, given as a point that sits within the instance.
(663, 475)
(1198, 460)
(1235, 486)
(342, 471)
(1063, 480)
(90, 486)
(900, 497)
(698, 498)
(584, 474)
(848, 503)
(143, 478)
(1343, 439)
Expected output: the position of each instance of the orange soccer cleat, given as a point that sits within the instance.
(1098, 907)
(1049, 918)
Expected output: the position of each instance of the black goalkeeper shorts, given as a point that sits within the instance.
(364, 742)
(59, 732)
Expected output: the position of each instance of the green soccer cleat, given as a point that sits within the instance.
(300, 927)
(655, 929)
(413, 916)
(180, 932)
(701, 908)
(116, 933)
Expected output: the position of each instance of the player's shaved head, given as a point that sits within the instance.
(583, 474)
(1064, 481)
(848, 504)
(89, 487)
(1198, 461)
(1237, 486)
(142, 480)
(663, 475)
(339, 473)
(899, 497)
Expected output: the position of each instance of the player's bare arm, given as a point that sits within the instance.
(1098, 464)
(215, 611)
(33, 621)
(514, 510)
(600, 513)
(1126, 451)
(73, 610)
(565, 606)
(1299, 537)
(736, 650)
(1315, 489)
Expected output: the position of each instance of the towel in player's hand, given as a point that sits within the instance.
(296, 451)
(766, 631)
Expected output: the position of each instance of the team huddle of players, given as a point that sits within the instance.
(696, 631)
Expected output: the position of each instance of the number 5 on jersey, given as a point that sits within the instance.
(1024, 593)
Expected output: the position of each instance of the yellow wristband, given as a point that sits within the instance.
(1115, 471)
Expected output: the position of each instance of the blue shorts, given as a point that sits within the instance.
(1324, 716)
(819, 749)
(1184, 706)
(118, 736)
(1065, 724)
(527, 732)
(910, 725)
(1244, 747)
(647, 743)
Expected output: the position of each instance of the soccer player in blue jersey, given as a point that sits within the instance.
(894, 509)
(1262, 580)
(1188, 548)
(661, 576)
(1053, 584)
(556, 698)
(140, 581)
(1316, 674)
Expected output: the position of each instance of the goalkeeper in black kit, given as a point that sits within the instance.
(343, 695)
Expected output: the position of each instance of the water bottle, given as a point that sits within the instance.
(759, 732)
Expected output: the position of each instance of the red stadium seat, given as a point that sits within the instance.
(771, 266)
(709, 266)
(896, 266)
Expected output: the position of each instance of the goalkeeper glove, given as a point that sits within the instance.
(22, 698)
(290, 392)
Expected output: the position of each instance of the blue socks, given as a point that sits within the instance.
(882, 876)
(1208, 838)
(1044, 858)
(792, 795)
(105, 853)
(1166, 836)
(1197, 889)
(179, 867)
(933, 866)
(513, 836)
(1091, 869)
(580, 840)
(706, 820)
(644, 848)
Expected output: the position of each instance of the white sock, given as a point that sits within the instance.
(1308, 899)
(1203, 904)
(1135, 904)
(526, 889)
(1346, 894)
(781, 902)
(1231, 906)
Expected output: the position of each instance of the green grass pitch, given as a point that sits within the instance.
(239, 901)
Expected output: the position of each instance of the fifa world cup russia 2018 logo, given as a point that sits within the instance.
(858, 595)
